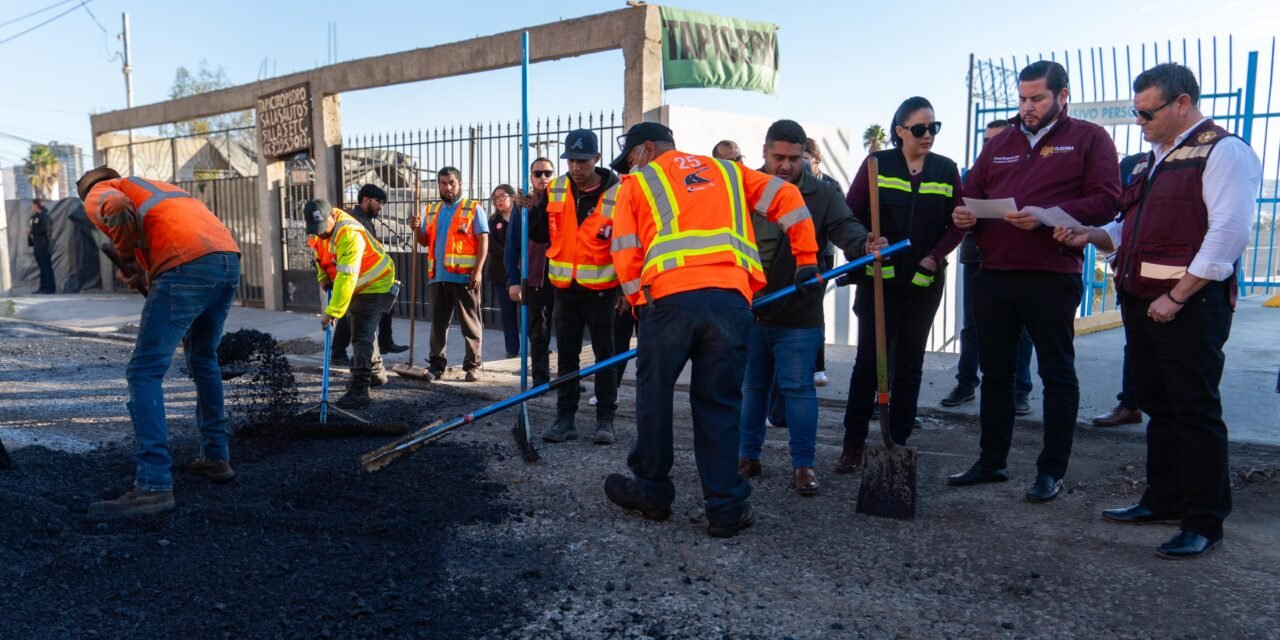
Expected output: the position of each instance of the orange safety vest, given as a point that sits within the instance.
(169, 227)
(687, 226)
(375, 262)
(460, 243)
(580, 252)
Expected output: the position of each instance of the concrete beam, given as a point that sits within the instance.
(564, 39)
(642, 55)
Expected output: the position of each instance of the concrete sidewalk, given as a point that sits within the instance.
(1250, 402)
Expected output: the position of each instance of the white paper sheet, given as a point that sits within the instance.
(993, 209)
(1053, 217)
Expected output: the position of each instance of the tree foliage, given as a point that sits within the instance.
(874, 138)
(203, 80)
(41, 168)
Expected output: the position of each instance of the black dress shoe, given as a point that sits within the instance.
(1045, 488)
(393, 348)
(339, 359)
(731, 529)
(623, 492)
(977, 475)
(1138, 514)
(1187, 544)
(958, 396)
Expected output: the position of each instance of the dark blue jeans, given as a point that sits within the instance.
(187, 304)
(510, 318)
(709, 327)
(967, 370)
(788, 356)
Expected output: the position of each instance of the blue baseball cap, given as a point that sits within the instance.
(581, 144)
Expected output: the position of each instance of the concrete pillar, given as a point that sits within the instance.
(270, 186)
(642, 57)
(326, 133)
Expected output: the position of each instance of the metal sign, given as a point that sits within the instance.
(284, 121)
(1112, 112)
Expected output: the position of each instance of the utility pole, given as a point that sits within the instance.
(128, 82)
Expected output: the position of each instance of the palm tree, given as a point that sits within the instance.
(42, 168)
(874, 138)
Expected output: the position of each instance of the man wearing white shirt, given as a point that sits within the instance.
(1184, 222)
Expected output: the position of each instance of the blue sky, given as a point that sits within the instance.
(843, 63)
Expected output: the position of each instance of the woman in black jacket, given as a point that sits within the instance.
(918, 190)
(496, 269)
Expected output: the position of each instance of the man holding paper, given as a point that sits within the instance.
(1184, 222)
(1047, 161)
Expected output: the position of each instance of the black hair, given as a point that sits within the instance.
(39, 205)
(1054, 76)
(1172, 79)
(785, 131)
(510, 190)
(541, 159)
(906, 110)
(997, 124)
(373, 192)
(450, 171)
(719, 145)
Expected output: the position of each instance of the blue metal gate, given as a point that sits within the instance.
(1230, 84)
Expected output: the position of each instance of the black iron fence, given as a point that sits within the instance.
(487, 155)
(235, 202)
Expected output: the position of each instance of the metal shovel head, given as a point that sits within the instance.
(378, 458)
(888, 483)
(520, 432)
(411, 371)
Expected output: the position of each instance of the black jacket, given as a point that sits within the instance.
(495, 265)
(832, 222)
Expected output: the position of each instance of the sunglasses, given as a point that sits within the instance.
(1151, 115)
(918, 130)
(543, 173)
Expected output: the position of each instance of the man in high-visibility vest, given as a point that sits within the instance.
(685, 252)
(361, 279)
(454, 233)
(576, 220)
(167, 241)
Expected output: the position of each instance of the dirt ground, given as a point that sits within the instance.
(464, 540)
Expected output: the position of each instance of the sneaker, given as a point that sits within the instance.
(353, 399)
(769, 424)
(604, 432)
(218, 471)
(472, 376)
(729, 530)
(820, 379)
(623, 492)
(563, 430)
(134, 502)
(339, 359)
(958, 396)
(1021, 404)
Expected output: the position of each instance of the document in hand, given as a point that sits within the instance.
(1053, 217)
(993, 209)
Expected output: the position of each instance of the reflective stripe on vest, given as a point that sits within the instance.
(365, 242)
(608, 200)
(454, 261)
(898, 184)
(886, 271)
(158, 195)
(670, 246)
(766, 198)
(937, 189)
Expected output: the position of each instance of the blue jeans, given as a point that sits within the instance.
(187, 304)
(510, 317)
(709, 327)
(967, 370)
(789, 355)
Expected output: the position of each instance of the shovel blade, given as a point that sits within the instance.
(888, 487)
(521, 434)
(411, 371)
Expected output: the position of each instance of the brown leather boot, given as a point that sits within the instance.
(1118, 416)
(806, 482)
(850, 459)
(135, 502)
(748, 468)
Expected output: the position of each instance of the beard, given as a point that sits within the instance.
(1047, 119)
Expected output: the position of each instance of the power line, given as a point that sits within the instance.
(33, 13)
(25, 32)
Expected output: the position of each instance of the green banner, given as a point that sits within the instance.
(704, 50)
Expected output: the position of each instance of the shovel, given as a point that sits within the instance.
(408, 369)
(888, 487)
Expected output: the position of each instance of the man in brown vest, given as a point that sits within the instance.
(1184, 222)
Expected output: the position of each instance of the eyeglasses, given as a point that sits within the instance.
(543, 173)
(918, 130)
(1151, 115)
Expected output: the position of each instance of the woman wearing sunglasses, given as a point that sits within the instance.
(918, 190)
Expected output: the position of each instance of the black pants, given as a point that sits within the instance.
(908, 317)
(366, 360)
(44, 260)
(446, 299)
(342, 333)
(709, 327)
(541, 307)
(1045, 304)
(1128, 395)
(624, 326)
(1177, 367)
(576, 312)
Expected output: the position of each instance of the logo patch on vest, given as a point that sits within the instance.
(1206, 136)
(694, 182)
(1005, 159)
(1048, 151)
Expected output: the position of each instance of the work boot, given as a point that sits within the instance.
(354, 399)
(218, 471)
(473, 375)
(339, 359)
(562, 430)
(961, 394)
(850, 459)
(392, 348)
(604, 432)
(134, 502)
(378, 379)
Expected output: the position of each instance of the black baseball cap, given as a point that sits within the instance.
(638, 135)
(581, 144)
(315, 212)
